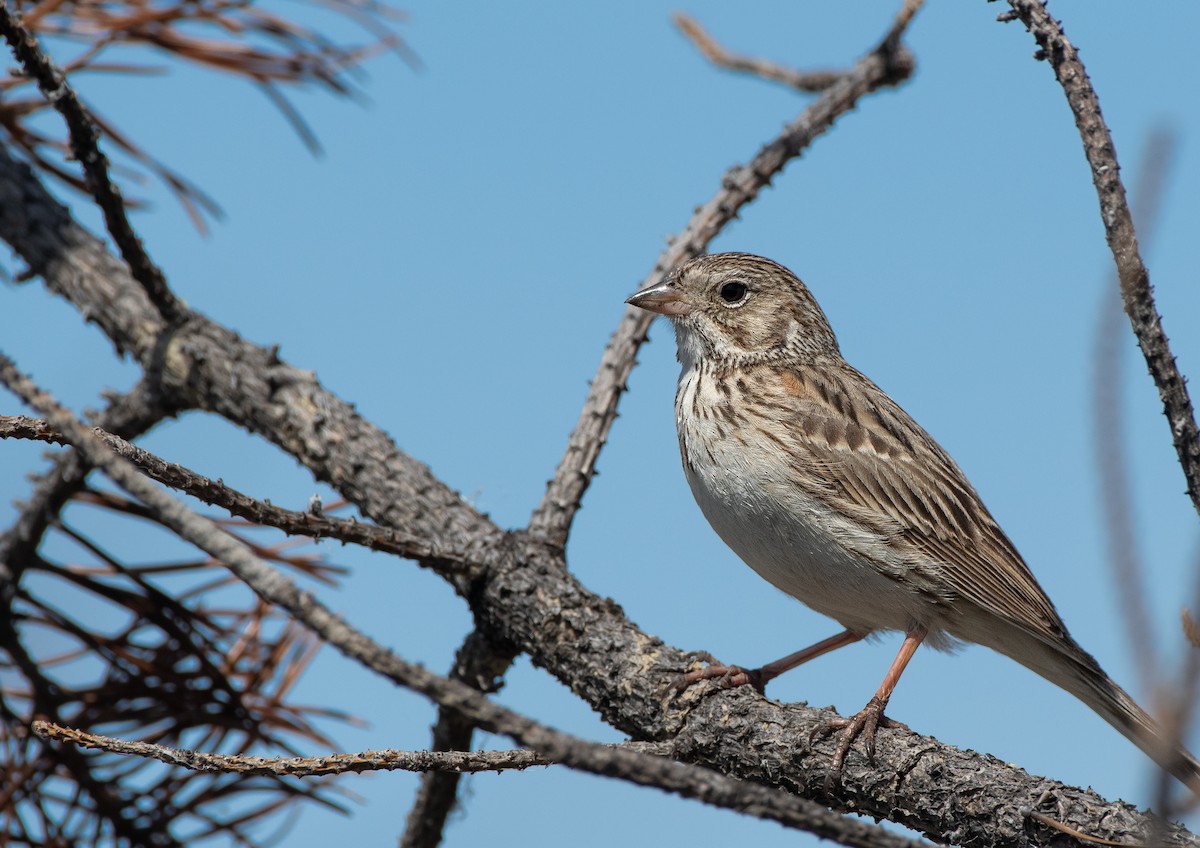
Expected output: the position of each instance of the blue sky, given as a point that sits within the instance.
(456, 260)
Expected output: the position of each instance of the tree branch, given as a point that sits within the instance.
(434, 762)
(86, 148)
(1120, 233)
(808, 81)
(447, 562)
(690, 782)
(1108, 381)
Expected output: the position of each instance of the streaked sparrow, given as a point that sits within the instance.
(829, 490)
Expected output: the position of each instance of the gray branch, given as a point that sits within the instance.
(1122, 237)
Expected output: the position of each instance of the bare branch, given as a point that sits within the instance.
(129, 415)
(1121, 235)
(85, 146)
(889, 63)
(810, 81)
(453, 762)
(216, 493)
(687, 781)
(437, 762)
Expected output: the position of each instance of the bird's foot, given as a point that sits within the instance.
(863, 724)
(726, 677)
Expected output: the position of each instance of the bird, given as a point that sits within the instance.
(829, 490)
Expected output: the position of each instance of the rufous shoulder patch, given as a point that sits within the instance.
(792, 384)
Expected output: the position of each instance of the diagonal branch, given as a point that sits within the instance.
(889, 63)
(1120, 233)
(129, 415)
(85, 139)
(445, 561)
(1112, 464)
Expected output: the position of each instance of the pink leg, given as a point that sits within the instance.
(871, 717)
(735, 675)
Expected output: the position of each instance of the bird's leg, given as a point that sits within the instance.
(735, 675)
(871, 717)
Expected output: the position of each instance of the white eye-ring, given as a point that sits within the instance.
(734, 293)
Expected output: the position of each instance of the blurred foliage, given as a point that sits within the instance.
(268, 49)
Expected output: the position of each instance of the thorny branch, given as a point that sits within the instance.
(315, 525)
(1111, 461)
(434, 762)
(85, 138)
(1119, 230)
(1132, 274)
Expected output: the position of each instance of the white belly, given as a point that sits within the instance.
(792, 540)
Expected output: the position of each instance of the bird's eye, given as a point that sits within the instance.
(734, 293)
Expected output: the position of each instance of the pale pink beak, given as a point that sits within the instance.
(663, 299)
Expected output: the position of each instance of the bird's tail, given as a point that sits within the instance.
(1086, 680)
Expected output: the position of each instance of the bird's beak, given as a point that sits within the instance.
(664, 299)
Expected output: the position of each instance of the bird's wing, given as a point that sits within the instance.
(874, 461)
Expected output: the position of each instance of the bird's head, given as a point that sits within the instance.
(739, 307)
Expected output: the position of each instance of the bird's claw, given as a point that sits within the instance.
(862, 724)
(726, 677)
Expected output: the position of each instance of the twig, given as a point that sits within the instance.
(888, 63)
(434, 762)
(85, 146)
(129, 414)
(216, 493)
(810, 81)
(452, 762)
(1119, 230)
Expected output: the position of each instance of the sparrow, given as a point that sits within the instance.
(823, 485)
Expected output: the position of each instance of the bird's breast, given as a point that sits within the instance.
(745, 480)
